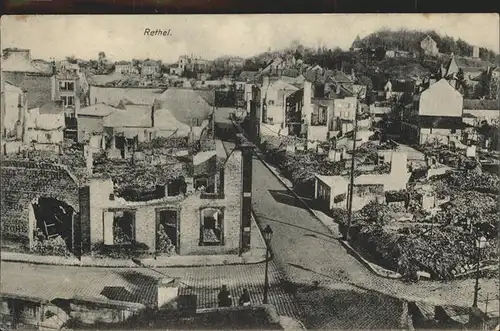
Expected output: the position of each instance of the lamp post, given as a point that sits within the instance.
(480, 244)
(268, 235)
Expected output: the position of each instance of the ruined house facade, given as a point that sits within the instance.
(210, 216)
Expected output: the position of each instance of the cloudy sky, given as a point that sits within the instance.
(122, 37)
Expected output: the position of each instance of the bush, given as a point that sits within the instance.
(54, 246)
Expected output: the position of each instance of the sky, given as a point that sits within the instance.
(122, 37)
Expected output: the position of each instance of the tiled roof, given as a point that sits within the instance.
(122, 63)
(165, 120)
(279, 84)
(19, 65)
(481, 104)
(131, 116)
(208, 96)
(43, 65)
(245, 75)
(186, 105)
(141, 283)
(99, 109)
(52, 107)
(341, 77)
(113, 95)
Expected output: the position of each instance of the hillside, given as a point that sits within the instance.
(409, 40)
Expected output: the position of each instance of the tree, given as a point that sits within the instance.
(71, 59)
(367, 81)
(462, 84)
(102, 56)
(101, 61)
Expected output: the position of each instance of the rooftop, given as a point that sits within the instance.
(99, 110)
(113, 95)
(131, 116)
(186, 105)
(477, 104)
(18, 64)
(165, 120)
(247, 75)
(52, 107)
(280, 84)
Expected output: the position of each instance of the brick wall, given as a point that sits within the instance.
(24, 181)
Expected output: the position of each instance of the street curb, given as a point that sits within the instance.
(128, 264)
(367, 264)
(356, 254)
(131, 266)
(281, 180)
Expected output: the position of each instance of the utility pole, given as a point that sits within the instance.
(213, 121)
(351, 187)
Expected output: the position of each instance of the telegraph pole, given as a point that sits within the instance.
(351, 187)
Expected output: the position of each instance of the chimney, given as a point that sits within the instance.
(337, 89)
(265, 82)
(246, 149)
(89, 159)
(307, 108)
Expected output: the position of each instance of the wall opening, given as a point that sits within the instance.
(167, 231)
(212, 230)
(119, 227)
(54, 218)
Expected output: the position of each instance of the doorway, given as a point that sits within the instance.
(167, 230)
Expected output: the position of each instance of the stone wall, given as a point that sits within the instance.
(189, 208)
(24, 181)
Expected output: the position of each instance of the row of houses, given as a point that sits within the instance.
(140, 115)
(146, 68)
(52, 93)
(316, 104)
(438, 109)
